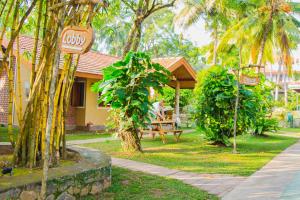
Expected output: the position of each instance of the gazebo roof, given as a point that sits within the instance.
(182, 71)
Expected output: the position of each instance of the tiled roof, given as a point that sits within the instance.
(91, 62)
(167, 62)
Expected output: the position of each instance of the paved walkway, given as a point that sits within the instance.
(279, 179)
(212, 183)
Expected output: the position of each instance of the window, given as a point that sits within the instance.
(78, 94)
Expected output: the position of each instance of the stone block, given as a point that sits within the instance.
(96, 189)
(65, 196)
(28, 195)
(85, 191)
(51, 197)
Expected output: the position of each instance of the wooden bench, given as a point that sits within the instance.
(159, 129)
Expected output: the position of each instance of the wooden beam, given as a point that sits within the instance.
(177, 99)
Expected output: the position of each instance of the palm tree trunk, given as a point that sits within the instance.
(278, 80)
(267, 29)
(215, 54)
(285, 85)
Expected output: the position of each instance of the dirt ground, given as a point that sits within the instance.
(5, 150)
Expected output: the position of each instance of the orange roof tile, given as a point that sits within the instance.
(92, 62)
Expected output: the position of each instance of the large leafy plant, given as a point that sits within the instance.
(125, 86)
(265, 103)
(215, 95)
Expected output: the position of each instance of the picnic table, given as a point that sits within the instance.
(160, 128)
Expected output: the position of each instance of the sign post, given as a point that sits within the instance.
(248, 80)
(76, 39)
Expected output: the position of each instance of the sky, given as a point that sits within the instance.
(199, 36)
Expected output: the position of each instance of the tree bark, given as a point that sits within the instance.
(136, 26)
(130, 141)
(267, 30)
(278, 81)
(61, 16)
(285, 90)
(215, 53)
(36, 40)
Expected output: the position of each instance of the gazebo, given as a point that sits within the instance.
(184, 77)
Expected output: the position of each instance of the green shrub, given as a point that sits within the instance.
(265, 125)
(215, 95)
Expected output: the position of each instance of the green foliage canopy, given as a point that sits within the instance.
(215, 95)
(125, 87)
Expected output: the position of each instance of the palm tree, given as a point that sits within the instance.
(214, 13)
(266, 29)
(271, 24)
(280, 28)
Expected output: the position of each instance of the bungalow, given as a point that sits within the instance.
(84, 108)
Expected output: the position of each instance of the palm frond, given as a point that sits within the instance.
(189, 15)
(295, 6)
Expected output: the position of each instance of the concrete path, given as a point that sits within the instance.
(212, 183)
(279, 179)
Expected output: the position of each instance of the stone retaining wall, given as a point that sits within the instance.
(90, 177)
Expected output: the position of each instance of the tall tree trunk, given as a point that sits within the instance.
(10, 99)
(137, 39)
(285, 85)
(215, 53)
(19, 83)
(237, 101)
(267, 29)
(129, 138)
(61, 18)
(5, 23)
(278, 80)
(36, 40)
(3, 8)
(133, 38)
(11, 78)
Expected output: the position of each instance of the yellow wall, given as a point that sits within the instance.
(80, 116)
(25, 83)
(90, 113)
(97, 116)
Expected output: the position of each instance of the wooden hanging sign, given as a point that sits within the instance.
(76, 39)
(247, 80)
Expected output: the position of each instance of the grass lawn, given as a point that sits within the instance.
(19, 171)
(194, 154)
(78, 135)
(136, 185)
(293, 132)
(4, 134)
